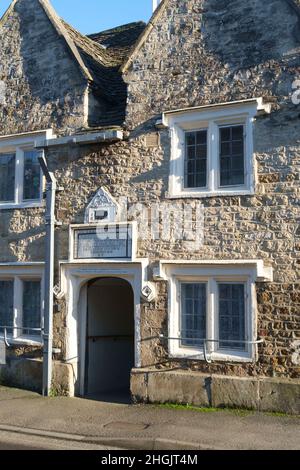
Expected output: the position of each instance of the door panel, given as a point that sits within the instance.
(110, 336)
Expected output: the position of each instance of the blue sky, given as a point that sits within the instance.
(91, 16)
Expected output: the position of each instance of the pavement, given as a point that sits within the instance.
(71, 423)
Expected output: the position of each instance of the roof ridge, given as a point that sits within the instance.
(61, 30)
(116, 29)
(92, 43)
(156, 15)
(8, 10)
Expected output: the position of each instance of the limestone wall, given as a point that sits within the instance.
(41, 85)
(199, 52)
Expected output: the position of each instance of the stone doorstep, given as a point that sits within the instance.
(261, 394)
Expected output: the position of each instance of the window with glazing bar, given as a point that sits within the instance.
(232, 164)
(20, 178)
(6, 305)
(196, 159)
(193, 314)
(224, 317)
(20, 306)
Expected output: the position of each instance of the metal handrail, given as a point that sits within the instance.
(109, 337)
(5, 328)
(180, 338)
(205, 341)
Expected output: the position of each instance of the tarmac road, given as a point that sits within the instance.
(17, 441)
(31, 421)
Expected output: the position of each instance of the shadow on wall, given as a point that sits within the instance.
(15, 244)
(247, 33)
(37, 55)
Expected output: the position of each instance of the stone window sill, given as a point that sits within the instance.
(23, 340)
(23, 205)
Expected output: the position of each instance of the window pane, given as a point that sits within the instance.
(6, 305)
(232, 316)
(31, 306)
(7, 177)
(232, 159)
(196, 159)
(193, 314)
(32, 175)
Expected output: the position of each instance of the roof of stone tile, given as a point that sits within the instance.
(99, 58)
(119, 41)
(102, 54)
(100, 68)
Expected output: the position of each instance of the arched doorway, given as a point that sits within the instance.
(109, 338)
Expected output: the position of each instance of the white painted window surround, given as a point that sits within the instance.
(211, 274)
(19, 273)
(18, 144)
(211, 119)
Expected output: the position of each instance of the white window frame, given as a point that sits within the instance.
(211, 276)
(212, 118)
(17, 145)
(18, 273)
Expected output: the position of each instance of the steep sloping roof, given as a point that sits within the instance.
(143, 37)
(98, 58)
(119, 41)
(102, 54)
(155, 17)
(99, 67)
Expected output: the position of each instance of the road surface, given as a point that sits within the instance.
(18, 441)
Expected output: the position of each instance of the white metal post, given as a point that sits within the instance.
(49, 276)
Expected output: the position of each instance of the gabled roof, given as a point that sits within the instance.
(61, 30)
(295, 4)
(155, 17)
(119, 41)
(98, 58)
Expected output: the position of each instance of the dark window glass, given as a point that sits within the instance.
(32, 176)
(6, 305)
(7, 177)
(193, 314)
(232, 159)
(231, 316)
(196, 159)
(31, 306)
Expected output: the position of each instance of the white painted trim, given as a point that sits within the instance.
(22, 205)
(74, 278)
(261, 272)
(211, 118)
(26, 137)
(82, 332)
(74, 227)
(82, 139)
(17, 144)
(24, 341)
(177, 274)
(20, 268)
(258, 102)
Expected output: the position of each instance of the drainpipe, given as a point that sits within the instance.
(49, 276)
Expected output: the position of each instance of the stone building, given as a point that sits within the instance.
(175, 148)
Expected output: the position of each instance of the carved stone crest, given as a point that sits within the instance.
(102, 208)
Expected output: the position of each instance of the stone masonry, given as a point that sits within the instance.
(197, 53)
